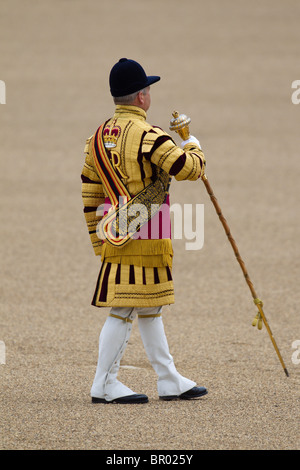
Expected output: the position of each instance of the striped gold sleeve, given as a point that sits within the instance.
(160, 149)
(92, 196)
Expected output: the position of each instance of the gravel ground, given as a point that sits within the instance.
(229, 66)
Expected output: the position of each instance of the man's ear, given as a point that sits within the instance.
(140, 97)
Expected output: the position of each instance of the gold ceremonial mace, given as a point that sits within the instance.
(180, 124)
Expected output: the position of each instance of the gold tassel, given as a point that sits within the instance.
(257, 321)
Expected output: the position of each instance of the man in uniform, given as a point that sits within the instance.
(127, 157)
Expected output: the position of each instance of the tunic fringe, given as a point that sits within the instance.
(127, 285)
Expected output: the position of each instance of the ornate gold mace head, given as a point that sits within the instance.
(180, 124)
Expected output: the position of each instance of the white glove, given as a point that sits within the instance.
(191, 140)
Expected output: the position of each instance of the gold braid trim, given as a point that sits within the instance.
(127, 320)
(150, 316)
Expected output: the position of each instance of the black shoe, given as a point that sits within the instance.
(135, 398)
(194, 392)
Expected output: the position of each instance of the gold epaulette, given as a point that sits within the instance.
(87, 144)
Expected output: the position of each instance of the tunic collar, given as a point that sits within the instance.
(129, 112)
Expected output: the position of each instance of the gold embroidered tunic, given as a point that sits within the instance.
(140, 272)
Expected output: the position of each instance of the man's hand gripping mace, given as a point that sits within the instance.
(180, 124)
